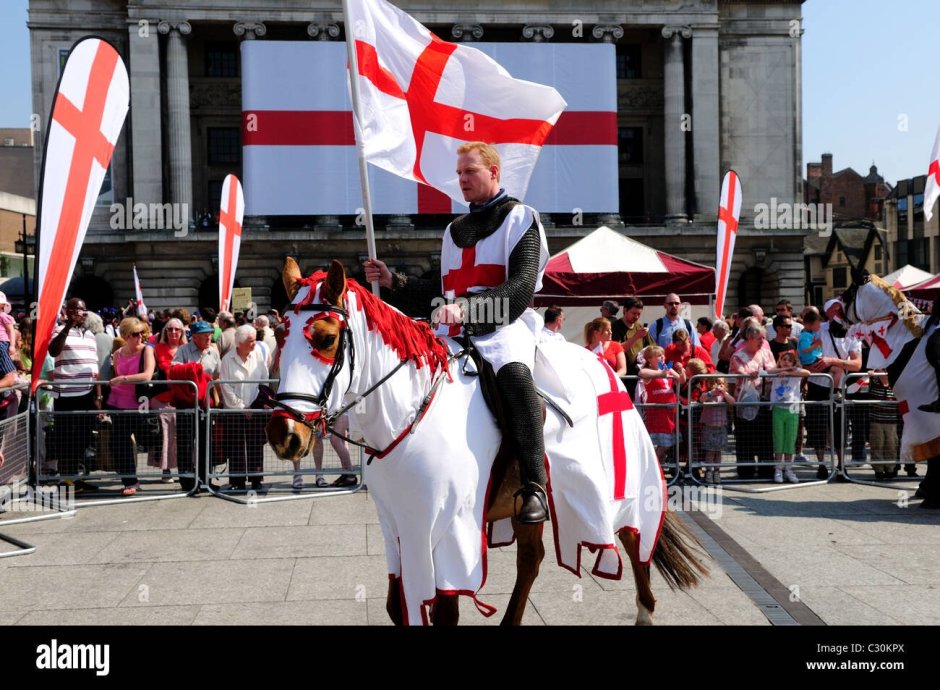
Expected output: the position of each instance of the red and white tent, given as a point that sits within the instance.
(926, 290)
(606, 264)
(907, 276)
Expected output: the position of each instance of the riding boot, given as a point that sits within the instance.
(524, 413)
(933, 358)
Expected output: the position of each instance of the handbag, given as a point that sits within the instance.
(746, 407)
(152, 388)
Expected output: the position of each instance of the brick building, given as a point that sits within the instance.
(852, 196)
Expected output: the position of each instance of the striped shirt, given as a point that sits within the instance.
(78, 361)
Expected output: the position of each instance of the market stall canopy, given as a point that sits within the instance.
(927, 290)
(606, 264)
(907, 276)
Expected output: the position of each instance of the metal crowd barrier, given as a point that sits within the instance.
(869, 439)
(670, 462)
(749, 439)
(20, 502)
(240, 457)
(98, 453)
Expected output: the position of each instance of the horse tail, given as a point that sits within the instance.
(679, 555)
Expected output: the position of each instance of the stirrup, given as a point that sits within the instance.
(536, 514)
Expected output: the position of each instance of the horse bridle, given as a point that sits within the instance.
(319, 421)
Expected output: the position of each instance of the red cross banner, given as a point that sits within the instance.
(139, 296)
(729, 210)
(932, 188)
(423, 97)
(88, 113)
(230, 237)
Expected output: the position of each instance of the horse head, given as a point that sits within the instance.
(312, 342)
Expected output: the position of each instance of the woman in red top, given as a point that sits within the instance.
(682, 350)
(597, 338)
(164, 457)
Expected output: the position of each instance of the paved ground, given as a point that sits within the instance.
(852, 554)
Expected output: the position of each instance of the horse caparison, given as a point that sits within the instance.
(678, 556)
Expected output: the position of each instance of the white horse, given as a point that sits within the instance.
(442, 486)
(894, 328)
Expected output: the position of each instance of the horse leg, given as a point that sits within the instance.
(529, 554)
(393, 601)
(446, 610)
(645, 601)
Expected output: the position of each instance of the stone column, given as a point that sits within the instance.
(323, 31)
(177, 98)
(674, 91)
(607, 33)
(537, 32)
(706, 116)
(250, 30)
(147, 147)
(467, 32)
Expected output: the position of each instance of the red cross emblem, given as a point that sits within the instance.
(726, 213)
(469, 275)
(227, 215)
(427, 115)
(90, 145)
(934, 170)
(614, 403)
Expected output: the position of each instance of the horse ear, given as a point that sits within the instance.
(333, 288)
(289, 276)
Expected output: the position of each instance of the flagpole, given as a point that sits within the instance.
(363, 170)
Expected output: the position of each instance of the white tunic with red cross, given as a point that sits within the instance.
(485, 265)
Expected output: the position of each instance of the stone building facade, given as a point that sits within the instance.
(703, 86)
(912, 239)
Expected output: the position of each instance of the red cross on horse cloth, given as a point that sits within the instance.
(729, 210)
(422, 97)
(614, 403)
(231, 213)
(87, 115)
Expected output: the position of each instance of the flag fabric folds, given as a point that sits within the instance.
(231, 214)
(729, 210)
(139, 296)
(88, 112)
(932, 188)
(422, 97)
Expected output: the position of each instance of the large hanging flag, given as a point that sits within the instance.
(729, 210)
(932, 188)
(88, 112)
(421, 98)
(230, 237)
(139, 296)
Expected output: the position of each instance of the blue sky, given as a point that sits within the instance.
(868, 91)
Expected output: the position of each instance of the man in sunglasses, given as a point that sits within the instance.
(661, 329)
(76, 360)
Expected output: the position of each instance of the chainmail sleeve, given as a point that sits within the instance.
(413, 296)
(505, 303)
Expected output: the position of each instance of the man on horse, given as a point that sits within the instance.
(493, 257)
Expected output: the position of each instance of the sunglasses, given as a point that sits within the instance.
(673, 304)
(138, 334)
(787, 325)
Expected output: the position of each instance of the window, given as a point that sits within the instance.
(630, 145)
(840, 278)
(628, 62)
(215, 196)
(879, 252)
(224, 145)
(222, 60)
(841, 202)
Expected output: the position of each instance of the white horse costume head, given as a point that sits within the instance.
(894, 328)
